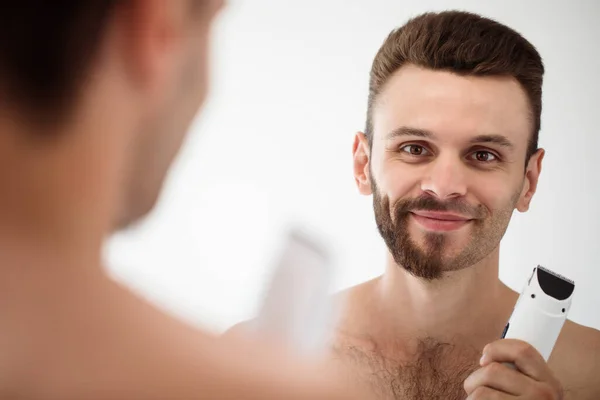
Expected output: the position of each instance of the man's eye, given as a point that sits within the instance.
(414, 150)
(483, 156)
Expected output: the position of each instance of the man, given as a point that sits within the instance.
(95, 99)
(449, 151)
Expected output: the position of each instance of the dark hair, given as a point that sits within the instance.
(466, 44)
(46, 49)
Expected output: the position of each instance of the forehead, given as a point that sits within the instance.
(452, 106)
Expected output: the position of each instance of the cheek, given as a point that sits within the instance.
(198, 72)
(195, 72)
(397, 181)
(496, 193)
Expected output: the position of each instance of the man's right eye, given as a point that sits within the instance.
(415, 150)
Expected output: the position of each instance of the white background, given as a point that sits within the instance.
(273, 146)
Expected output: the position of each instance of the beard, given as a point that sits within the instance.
(430, 261)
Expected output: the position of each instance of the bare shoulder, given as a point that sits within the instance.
(356, 299)
(357, 315)
(350, 300)
(576, 360)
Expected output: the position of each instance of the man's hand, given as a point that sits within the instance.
(532, 379)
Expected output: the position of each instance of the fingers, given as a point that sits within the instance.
(524, 356)
(535, 381)
(499, 377)
(486, 393)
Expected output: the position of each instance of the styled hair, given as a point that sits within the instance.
(466, 44)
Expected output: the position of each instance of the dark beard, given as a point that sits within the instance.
(427, 263)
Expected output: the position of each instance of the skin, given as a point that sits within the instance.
(416, 335)
(68, 331)
(466, 305)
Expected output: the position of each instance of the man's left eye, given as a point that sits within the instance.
(483, 156)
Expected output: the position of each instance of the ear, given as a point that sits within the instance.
(360, 154)
(151, 32)
(532, 175)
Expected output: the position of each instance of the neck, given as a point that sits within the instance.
(56, 202)
(60, 182)
(50, 240)
(470, 304)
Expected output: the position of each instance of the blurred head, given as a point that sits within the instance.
(133, 73)
(450, 147)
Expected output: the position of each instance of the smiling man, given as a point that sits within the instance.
(450, 150)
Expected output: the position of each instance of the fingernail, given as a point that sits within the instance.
(483, 359)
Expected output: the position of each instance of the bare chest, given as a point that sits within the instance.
(436, 371)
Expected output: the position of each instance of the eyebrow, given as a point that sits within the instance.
(407, 131)
(495, 139)
(423, 133)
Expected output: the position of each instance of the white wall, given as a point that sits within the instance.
(274, 145)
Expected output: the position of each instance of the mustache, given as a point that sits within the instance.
(429, 203)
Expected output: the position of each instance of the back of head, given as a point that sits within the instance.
(46, 50)
(123, 78)
(466, 44)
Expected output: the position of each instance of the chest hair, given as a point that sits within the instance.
(434, 371)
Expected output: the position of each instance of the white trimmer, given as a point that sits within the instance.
(541, 310)
(297, 308)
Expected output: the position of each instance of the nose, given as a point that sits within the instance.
(445, 178)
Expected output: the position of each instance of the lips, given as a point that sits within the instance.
(442, 216)
(440, 221)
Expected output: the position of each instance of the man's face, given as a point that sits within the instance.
(184, 84)
(446, 167)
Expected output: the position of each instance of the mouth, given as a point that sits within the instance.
(438, 221)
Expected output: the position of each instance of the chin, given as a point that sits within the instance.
(453, 240)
